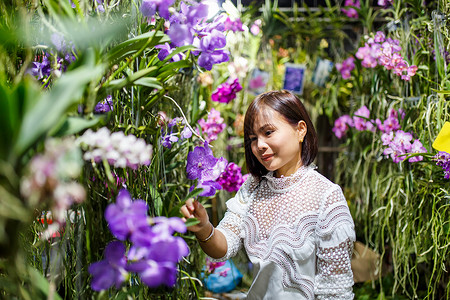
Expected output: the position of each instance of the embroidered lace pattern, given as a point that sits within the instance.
(292, 220)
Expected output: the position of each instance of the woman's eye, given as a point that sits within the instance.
(252, 139)
(268, 132)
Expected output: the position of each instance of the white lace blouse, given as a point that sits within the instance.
(298, 233)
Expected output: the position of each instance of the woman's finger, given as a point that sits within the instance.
(189, 204)
(185, 212)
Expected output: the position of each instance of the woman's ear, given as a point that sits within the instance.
(302, 130)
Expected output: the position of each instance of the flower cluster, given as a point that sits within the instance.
(234, 26)
(188, 26)
(116, 148)
(212, 266)
(255, 29)
(380, 50)
(443, 160)
(231, 179)
(154, 252)
(350, 8)
(226, 91)
(360, 121)
(346, 67)
(53, 63)
(341, 125)
(203, 166)
(104, 106)
(51, 178)
(168, 137)
(212, 126)
(399, 143)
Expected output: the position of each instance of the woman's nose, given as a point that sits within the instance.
(262, 145)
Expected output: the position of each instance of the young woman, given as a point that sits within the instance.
(294, 223)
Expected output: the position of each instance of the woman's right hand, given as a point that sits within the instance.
(194, 209)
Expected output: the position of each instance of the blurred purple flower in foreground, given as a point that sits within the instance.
(154, 251)
(110, 271)
(51, 176)
(148, 8)
(126, 216)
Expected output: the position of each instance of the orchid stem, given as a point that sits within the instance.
(185, 119)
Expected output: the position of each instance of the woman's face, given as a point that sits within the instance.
(276, 143)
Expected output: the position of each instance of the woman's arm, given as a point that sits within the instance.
(212, 241)
(336, 234)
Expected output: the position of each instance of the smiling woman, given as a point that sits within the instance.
(294, 223)
(285, 110)
(277, 145)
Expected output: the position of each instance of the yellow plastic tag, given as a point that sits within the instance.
(442, 141)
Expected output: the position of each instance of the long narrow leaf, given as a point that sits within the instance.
(52, 106)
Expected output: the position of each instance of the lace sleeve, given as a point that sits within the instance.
(231, 224)
(336, 234)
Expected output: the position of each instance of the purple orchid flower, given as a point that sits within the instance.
(199, 161)
(156, 264)
(168, 225)
(442, 159)
(150, 7)
(126, 216)
(202, 165)
(231, 179)
(111, 270)
(180, 34)
(154, 274)
(417, 147)
(209, 188)
(104, 106)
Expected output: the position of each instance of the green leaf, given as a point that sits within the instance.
(191, 222)
(172, 68)
(131, 46)
(194, 193)
(13, 106)
(38, 280)
(178, 50)
(120, 83)
(11, 207)
(150, 82)
(157, 200)
(52, 106)
(73, 125)
(441, 91)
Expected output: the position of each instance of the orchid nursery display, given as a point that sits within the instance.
(115, 112)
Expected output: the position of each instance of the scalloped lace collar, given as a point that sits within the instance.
(283, 182)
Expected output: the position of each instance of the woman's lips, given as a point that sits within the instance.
(266, 157)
